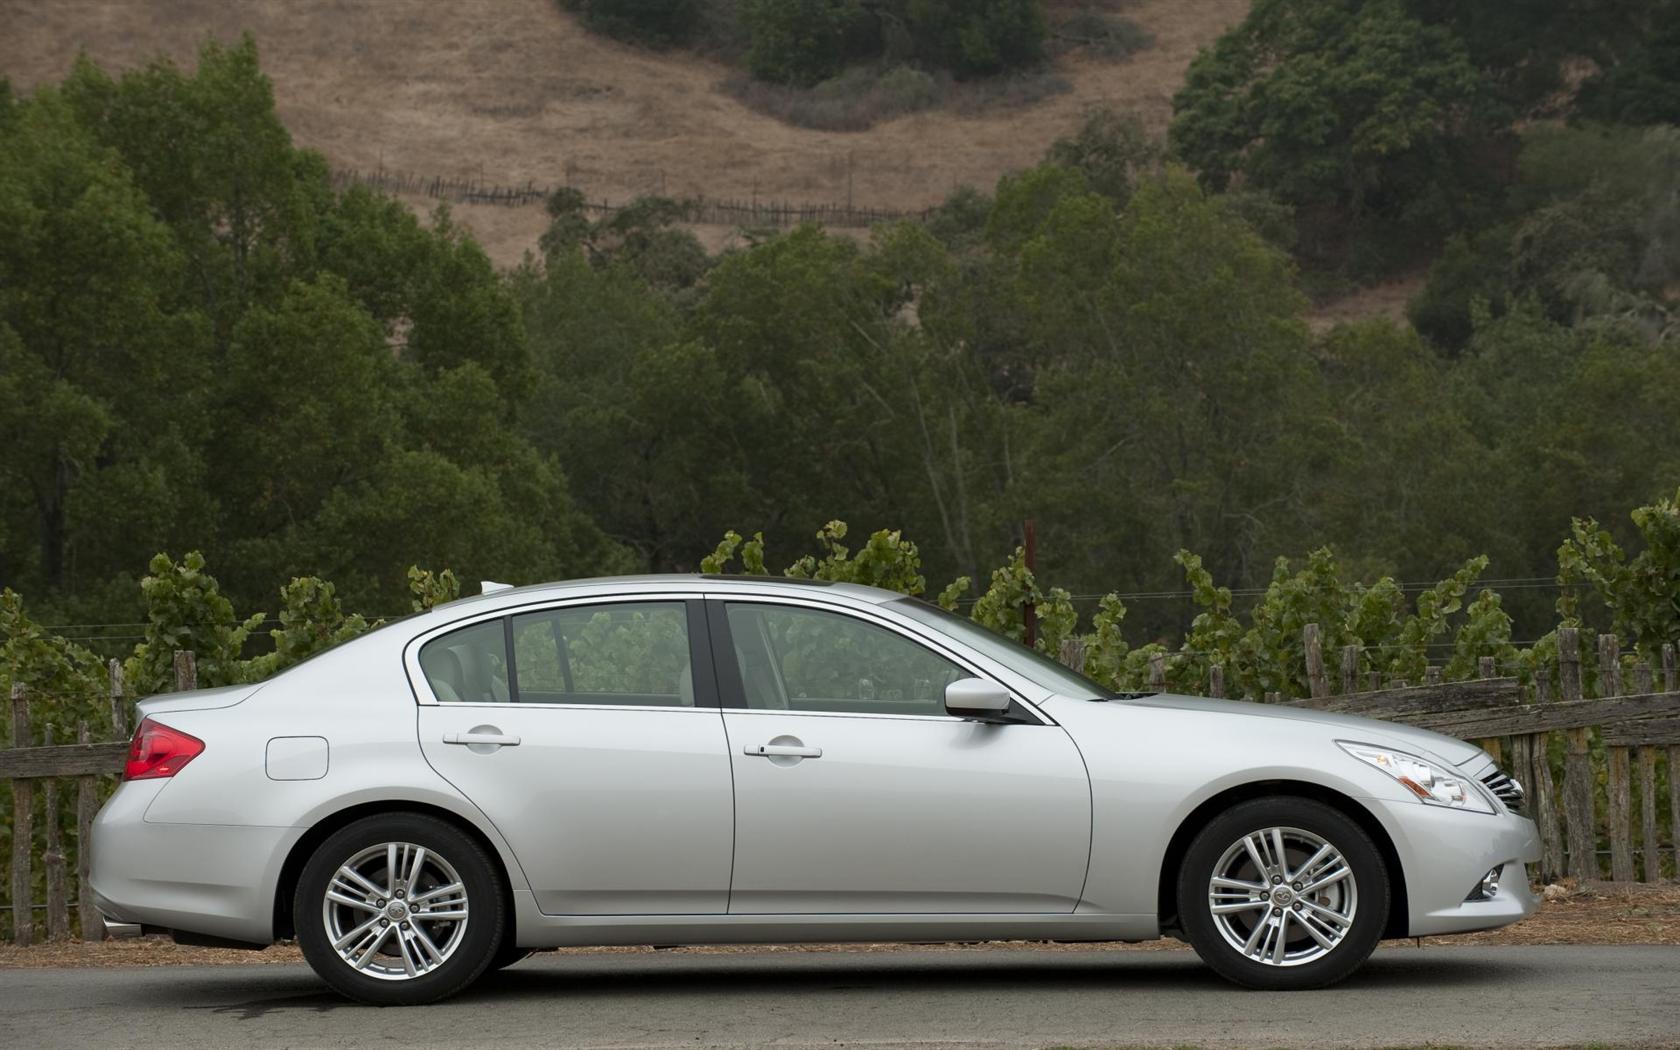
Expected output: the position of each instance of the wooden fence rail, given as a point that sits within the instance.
(1637, 732)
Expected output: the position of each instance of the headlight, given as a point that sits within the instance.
(1429, 782)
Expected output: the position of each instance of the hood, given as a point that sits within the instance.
(197, 699)
(1349, 727)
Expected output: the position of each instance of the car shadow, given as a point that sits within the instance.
(552, 978)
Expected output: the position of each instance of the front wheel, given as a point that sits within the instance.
(1283, 893)
(398, 910)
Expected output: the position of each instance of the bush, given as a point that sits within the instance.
(657, 23)
(855, 100)
(800, 42)
(1100, 33)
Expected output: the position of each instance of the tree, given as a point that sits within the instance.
(800, 41)
(1357, 114)
(657, 23)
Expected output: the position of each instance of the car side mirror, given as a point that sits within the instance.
(977, 698)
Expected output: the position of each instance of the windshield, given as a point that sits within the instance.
(1029, 662)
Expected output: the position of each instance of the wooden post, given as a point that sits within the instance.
(1216, 681)
(186, 669)
(23, 829)
(1674, 806)
(1373, 680)
(1432, 675)
(1650, 848)
(1543, 792)
(86, 803)
(1577, 771)
(1669, 677)
(119, 712)
(1273, 696)
(1350, 668)
(1318, 686)
(1485, 669)
(1073, 654)
(52, 859)
(1158, 671)
(1618, 780)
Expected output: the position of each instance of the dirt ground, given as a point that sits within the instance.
(515, 90)
(1597, 913)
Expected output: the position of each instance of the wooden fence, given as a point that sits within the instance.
(705, 210)
(1636, 728)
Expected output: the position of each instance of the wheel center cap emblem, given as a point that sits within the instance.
(398, 911)
(1282, 895)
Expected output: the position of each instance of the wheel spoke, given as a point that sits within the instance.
(356, 934)
(351, 875)
(1328, 915)
(1253, 844)
(1312, 862)
(1305, 920)
(352, 902)
(391, 851)
(367, 955)
(426, 943)
(1232, 909)
(434, 893)
(413, 876)
(1281, 944)
(1221, 882)
(1336, 876)
(1254, 936)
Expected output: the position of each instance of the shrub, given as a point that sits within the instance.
(1100, 33)
(657, 23)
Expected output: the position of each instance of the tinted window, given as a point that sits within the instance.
(799, 659)
(627, 653)
(468, 665)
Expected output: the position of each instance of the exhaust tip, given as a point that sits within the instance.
(119, 931)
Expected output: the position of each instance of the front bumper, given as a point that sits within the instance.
(1444, 853)
(209, 879)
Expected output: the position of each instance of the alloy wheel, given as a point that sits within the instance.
(1283, 896)
(395, 911)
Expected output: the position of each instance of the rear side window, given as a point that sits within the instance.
(628, 653)
(469, 665)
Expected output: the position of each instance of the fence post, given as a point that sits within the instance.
(1577, 770)
(1073, 654)
(186, 671)
(86, 803)
(1350, 668)
(1650, 849)
(1216, 681)
(1544, 791)
(1486, 668)
(119, 713)
(1318, 686)
(23, 829)
(1431, 675)
(52, 859)
(1618, 782)
(1158, 671)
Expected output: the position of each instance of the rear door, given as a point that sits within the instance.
(589, 733)
(856, 794)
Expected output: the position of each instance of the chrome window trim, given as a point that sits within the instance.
(940, 644)
(422, 688)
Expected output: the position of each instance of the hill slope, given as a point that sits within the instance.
(515, 90)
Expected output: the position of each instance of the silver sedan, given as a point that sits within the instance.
(692, 759)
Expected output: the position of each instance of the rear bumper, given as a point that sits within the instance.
(1444, 854)
(217, 881)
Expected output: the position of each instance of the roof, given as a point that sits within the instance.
(653, 583)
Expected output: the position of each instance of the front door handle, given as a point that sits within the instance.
(478, 737)
(782, 751)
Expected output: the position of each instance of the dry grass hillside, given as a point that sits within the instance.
(515, 90)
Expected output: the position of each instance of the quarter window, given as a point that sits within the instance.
(799, 659)
(468, 665)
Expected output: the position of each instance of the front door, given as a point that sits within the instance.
(584, 734)
(856, 794)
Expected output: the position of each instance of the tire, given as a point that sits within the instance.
(390, 958)
(1243, 943)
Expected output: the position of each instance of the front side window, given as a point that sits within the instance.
(629, 653)
(799, 659)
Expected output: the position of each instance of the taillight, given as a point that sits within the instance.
(159, 751)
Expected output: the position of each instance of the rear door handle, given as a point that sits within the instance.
(782, 751)
(498, 739)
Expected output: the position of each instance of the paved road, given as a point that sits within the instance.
(1493, 997)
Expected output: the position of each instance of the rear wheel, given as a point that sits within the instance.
(1283, 893)
(399, 909)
